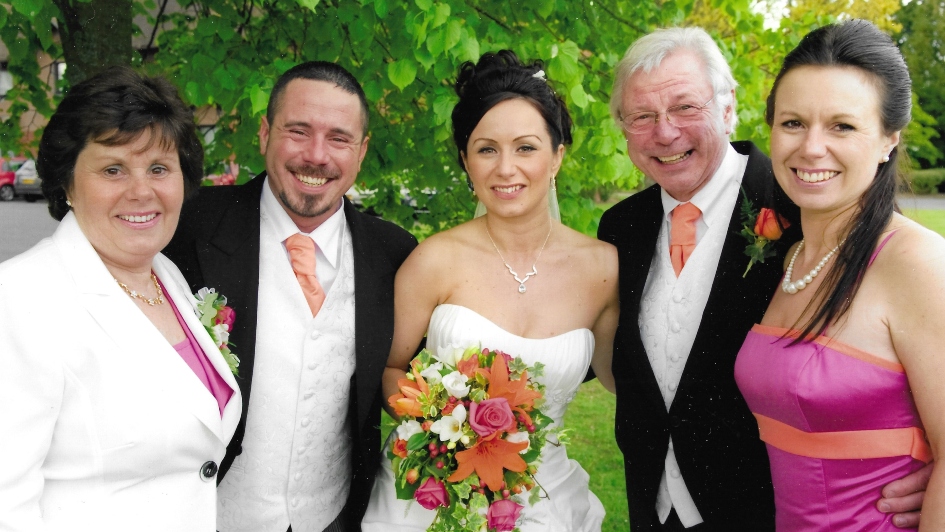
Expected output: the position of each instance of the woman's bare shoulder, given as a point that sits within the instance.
(912, 257)
(595, 255)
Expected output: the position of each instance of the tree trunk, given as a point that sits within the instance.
(95, 36)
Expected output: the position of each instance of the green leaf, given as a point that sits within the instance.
(544, 7)
(578, 96)
(424, 5)
(442, 15)
(417, 441)
(402, 72)
(30, 8)
(381, 8)
(259, 98)
(309, 4)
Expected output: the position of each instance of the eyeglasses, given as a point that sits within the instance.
(682, 115)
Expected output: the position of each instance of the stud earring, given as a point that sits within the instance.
(886, 158)
(69, 203)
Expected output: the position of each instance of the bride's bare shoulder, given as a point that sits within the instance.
(445, 246)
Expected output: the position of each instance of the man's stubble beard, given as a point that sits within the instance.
(306, 207)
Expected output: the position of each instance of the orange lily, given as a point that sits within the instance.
(488, 459)
(468, 366)
(406, 402)
(514, 392)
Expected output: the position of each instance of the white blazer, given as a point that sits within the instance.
(103, 426)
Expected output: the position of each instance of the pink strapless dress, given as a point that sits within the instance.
(839, 424)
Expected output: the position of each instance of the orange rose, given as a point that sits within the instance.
(400, 448)
(767, 224)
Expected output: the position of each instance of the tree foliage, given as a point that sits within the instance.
(225, 55)
(879, 12)
(922, 42)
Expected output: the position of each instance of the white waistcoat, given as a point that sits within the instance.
(671, 311)
(295, 467)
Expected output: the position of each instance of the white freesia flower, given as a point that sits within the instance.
(518, 437)
(455, 384)
(408, 428)
(202, 293)
(449, 355)
(432, 373)
(450, 427)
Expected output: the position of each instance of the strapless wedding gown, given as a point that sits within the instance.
(570, 506)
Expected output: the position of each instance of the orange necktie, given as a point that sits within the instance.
(682, 234)
(302, 254)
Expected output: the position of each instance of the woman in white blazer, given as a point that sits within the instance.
(115, 402)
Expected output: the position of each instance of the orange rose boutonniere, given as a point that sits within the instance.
(761, 229)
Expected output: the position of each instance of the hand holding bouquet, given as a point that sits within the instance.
(470, 437)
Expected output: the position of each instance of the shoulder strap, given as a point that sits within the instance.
(880, 248)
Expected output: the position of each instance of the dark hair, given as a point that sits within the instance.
(113, 108)
(859, 44)
(319, 71)
(498, 77)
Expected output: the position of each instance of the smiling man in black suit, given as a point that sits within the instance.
(305, 452)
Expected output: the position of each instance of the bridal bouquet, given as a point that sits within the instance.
(470, 437)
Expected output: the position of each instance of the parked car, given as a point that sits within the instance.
(8, 167)
(27, 183)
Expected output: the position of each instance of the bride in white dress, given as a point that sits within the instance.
(478, 283)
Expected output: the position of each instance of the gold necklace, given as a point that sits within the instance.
(159, 300)
(521, 282)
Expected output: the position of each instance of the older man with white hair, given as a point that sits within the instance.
(692, 453)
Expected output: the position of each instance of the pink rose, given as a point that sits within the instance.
(490, 416)
(227, 316)
(432, 493)
(503, 514)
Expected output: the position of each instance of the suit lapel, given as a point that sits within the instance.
(372, 308)
(641, 225)
(229, 262)
(729, 288)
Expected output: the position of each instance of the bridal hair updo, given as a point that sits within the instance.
(861, 45)
(502, 76)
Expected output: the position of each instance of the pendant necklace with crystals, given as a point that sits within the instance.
(521, 282)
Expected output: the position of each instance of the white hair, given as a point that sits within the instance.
(649, 51)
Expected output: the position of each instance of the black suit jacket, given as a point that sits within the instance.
(715, 436)
(217, 246)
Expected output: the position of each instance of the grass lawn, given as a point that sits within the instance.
(932, 218)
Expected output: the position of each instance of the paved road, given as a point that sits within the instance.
(24, 224)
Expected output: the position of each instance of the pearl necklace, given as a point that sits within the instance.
(800, 284)
(521, 282)
(159, 300)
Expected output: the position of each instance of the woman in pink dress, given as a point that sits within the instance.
(844, 372)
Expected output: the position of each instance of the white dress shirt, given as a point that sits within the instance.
(671, 308)
(295, 467)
